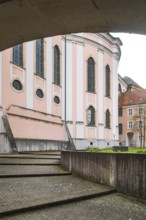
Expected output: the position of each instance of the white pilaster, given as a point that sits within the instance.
(29, 74)
(49, 74)
(115, 99)
(100, 83)
(79, 82)
(79, 92)
(0, 79)
(69, 81)
(63, 85)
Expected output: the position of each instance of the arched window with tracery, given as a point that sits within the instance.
(39, 57)
(91, 75)
(107, 119)
(18, 54)
(107, 81)
(56, 65)
(91, 116)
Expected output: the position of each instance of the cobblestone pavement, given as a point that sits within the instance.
(28, 161)
(109, 207)
(23, 192)
(27, 169)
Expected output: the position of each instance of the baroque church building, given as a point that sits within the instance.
(48, 83)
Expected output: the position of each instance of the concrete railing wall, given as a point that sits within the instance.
(126, 172)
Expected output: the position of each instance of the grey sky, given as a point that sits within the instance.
(133, 59)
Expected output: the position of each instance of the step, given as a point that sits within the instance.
(21, 194)
(25, 161)
(41, 152)
(31, 171)
(30, 156)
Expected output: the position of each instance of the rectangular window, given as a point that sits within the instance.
(140, 138)
(129, 111)
(130, 124)
(140, 123)
(120, 111)
(120, 128)
(140, 110)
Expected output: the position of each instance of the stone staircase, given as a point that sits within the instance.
(31, 181)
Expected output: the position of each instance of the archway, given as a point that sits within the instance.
(26, 20)
(130, 139)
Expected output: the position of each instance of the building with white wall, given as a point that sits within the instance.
(72, 78)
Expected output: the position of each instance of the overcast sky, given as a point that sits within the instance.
(133, 58)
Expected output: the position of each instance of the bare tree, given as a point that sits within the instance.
(139, 125)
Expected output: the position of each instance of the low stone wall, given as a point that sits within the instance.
(126, 172)
(5, 146)
(39, 145)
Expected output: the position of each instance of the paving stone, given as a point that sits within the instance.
(110, 207)
(27, 192)
(16, 193)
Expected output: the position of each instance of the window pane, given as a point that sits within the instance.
(120, 128)
(39, 57)
(18, 54)
(91, 116)
(129, 111)
(107, 120)
(130, 124)
(91, 75)
(120, 111)
(107, 81)
(56, 65)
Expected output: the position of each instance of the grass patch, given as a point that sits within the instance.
(109, 150)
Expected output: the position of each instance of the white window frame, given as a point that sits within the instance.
(142, 110)
(130, 111)
(130, 124)
(142, 124)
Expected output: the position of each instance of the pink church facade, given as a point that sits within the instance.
(37, 103)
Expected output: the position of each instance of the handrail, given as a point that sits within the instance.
(71, 145)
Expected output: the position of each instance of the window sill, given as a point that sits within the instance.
(18, 65)
(107, 97)
(57, 85)
(91, 126)
(94, 93)
(42, 77)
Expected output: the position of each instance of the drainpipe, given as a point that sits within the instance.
(65, 79)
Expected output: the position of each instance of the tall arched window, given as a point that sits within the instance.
(91, 116)
(91, 75)
(39, 57)
(18, 54)
(107, 119)
(56, 65)
(107, 81)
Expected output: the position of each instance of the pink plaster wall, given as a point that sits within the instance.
(10, 95)
(43, 126)
(30, 124)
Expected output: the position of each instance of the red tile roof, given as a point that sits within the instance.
(132, 97)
